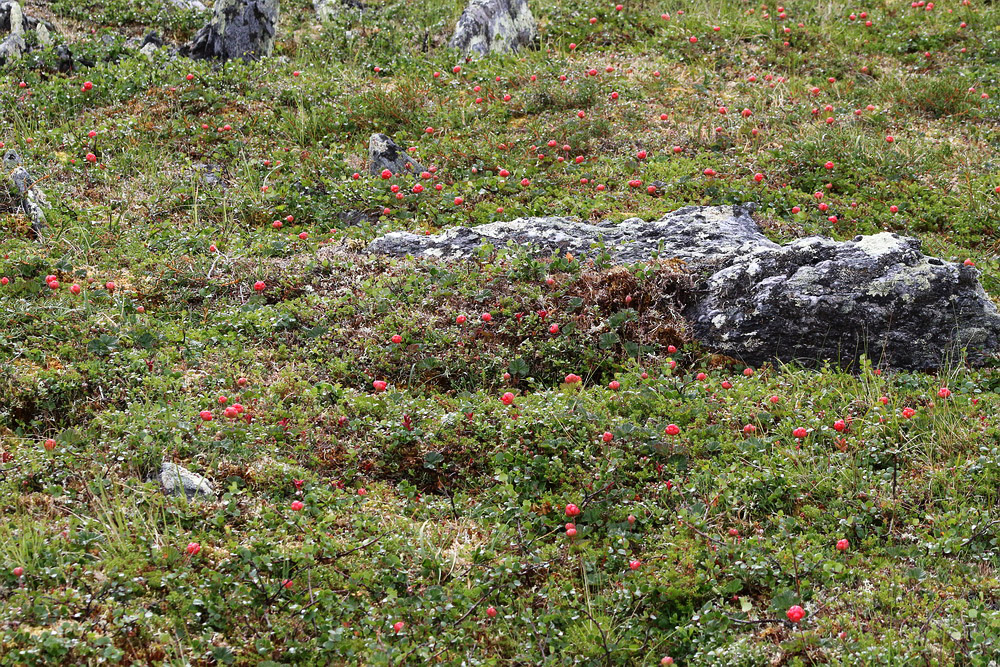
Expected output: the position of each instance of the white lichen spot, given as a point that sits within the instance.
(878, 245)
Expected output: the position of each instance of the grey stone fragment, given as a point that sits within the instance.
(176, 479)
(43, 35)
(15, 27)
(33, 201)
(12, 48)
(327, 10)
(189, 5)
(210, 173)
(383, 153)
(494, 26)
(149, 48)
(12, 28)
(65, 58)
(238, 29)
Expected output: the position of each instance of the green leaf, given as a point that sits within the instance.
(519, 368)
(315, 332)
(608, 340)
(433, 459)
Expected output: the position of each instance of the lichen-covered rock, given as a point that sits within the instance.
(494, 26)
(176, 480)
(15, 26)
(702, 236)
(189, 5)
(11, 48)
(33, 201)
(327, 10)
(150, 45)
(383, 153)
(12, 28)
(817, 299)
(238, 29)
(810, 301)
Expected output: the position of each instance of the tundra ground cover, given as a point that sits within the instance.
(400, 465)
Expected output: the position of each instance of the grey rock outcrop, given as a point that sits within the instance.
(816, 298)
(703, 236)
(238, 29)
(327, 10)
(383, 153)
(176, 480)
(494, 26)
(33, 201)
(12, 25)
(15, 26)
(808, 301)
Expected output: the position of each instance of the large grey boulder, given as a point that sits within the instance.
(383, 153)
(817, 299)
(176, 480)
(238, 29)
(808, 301)
(494, 26)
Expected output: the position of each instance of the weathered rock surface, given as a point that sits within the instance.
(494, 26)
(33, 201)
(811, 300)
(150, 45)
(15, 25)
(12, 28)
(238, 29)
(703, 236)
(189, 5)
(816, 298)
(383, 153)
(327, 10)
(176, 479)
